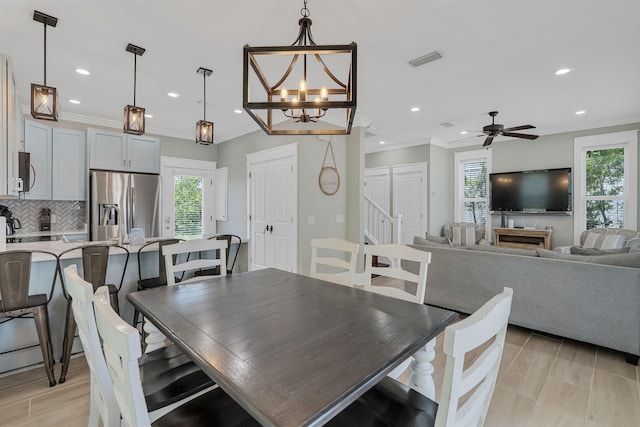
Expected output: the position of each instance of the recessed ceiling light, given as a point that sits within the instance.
(173, 94)
(563, 71)
(381, 142)
(148, 116)
(414, 109)
(464, 132)
(237, 111)
(580, 112)
(82, 71)
(74, 101)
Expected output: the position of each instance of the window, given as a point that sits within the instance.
(605, 181)
(472, 186)
(188, 206)
(188, 198)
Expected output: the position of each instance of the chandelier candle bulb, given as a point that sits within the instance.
(303, 91)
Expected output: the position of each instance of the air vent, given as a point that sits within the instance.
(429, 57)
(447, 125)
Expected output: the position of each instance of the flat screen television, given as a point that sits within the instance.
(536, 191)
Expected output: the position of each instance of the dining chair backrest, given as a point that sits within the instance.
(102, 397)
(331, 248)
(95, 260)
(162, 270)
(476, 383)
(209, 247)
(397, 254)
(121, 346)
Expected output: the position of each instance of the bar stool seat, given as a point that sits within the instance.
(95, 261)
(16, 303)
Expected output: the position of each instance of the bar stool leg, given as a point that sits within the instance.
(41, 317)
(113, 299)
(67, 343)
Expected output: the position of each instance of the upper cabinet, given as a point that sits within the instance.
(10, 125)
(58, 170)
(122, 152)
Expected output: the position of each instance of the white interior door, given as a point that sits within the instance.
(377, 186)
(409, 199)
(272, 194)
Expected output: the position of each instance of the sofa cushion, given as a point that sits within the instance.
(417, 240)
(577, 250)
(604, 241)
(437, 239)
(503, 250)
(631, 259)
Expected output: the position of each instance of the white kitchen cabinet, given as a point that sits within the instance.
(110, 150)
(69, 174)
(10, 124)
(58, 169)
(222, 179)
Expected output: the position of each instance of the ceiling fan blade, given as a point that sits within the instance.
(519, 135)
(523, 127)
(488, 141)
(466, 137)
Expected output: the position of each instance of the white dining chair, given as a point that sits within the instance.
(122, 351)
(342, 270)
(393, 283)
(391, 403)
(170, 377)
(211, 253)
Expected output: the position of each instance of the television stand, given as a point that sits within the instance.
(522, 238)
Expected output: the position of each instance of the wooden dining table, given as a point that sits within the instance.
(290, 349)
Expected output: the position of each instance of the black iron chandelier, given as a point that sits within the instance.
(204, 129)
(282, 111)
(44, 99)
(133, 115)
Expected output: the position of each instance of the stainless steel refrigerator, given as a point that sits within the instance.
(127, 200)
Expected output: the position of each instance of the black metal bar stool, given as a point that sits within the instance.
(95, 260)
(232, 240)
(152, 282)
(17, 302)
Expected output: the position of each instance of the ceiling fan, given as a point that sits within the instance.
(495, 129)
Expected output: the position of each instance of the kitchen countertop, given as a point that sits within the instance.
(58, 246)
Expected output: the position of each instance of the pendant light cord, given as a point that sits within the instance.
(135, 73)
(45, 54)
(204, 85)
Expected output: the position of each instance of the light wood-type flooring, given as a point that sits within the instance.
(542, 382)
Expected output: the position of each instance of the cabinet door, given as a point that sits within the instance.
(222, 177)
(37, 141)
(69, 172)
(107, 150)
(143, 154)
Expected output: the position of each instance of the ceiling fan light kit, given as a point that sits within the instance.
(44, 99)
(134, 122)
(279, 110)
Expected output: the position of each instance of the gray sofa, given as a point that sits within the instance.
(584, 301)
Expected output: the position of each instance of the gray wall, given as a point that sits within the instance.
(440, 189)
(311, 201)
(399, 156)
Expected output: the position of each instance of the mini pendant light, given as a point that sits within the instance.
(204, 129)
(44, 99)
(134, 116)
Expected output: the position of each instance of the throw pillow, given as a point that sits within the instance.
(577, 250)
(463, 236)
(604, 241)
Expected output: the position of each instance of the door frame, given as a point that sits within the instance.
(168, 166)
(277, 153)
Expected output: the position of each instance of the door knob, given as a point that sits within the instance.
(271, 229)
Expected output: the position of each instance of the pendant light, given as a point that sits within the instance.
(319, 89)
(44, 99)
(134, 116)
(204, 129)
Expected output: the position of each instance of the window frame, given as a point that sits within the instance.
(628, 141)
(460, 159)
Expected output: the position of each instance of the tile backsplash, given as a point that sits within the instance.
(70, 216)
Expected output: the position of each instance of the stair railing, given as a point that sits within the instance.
(380, 227)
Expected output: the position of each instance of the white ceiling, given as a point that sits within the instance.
(498, 55)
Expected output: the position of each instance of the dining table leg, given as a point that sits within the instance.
(421, 370)
(153, 338)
